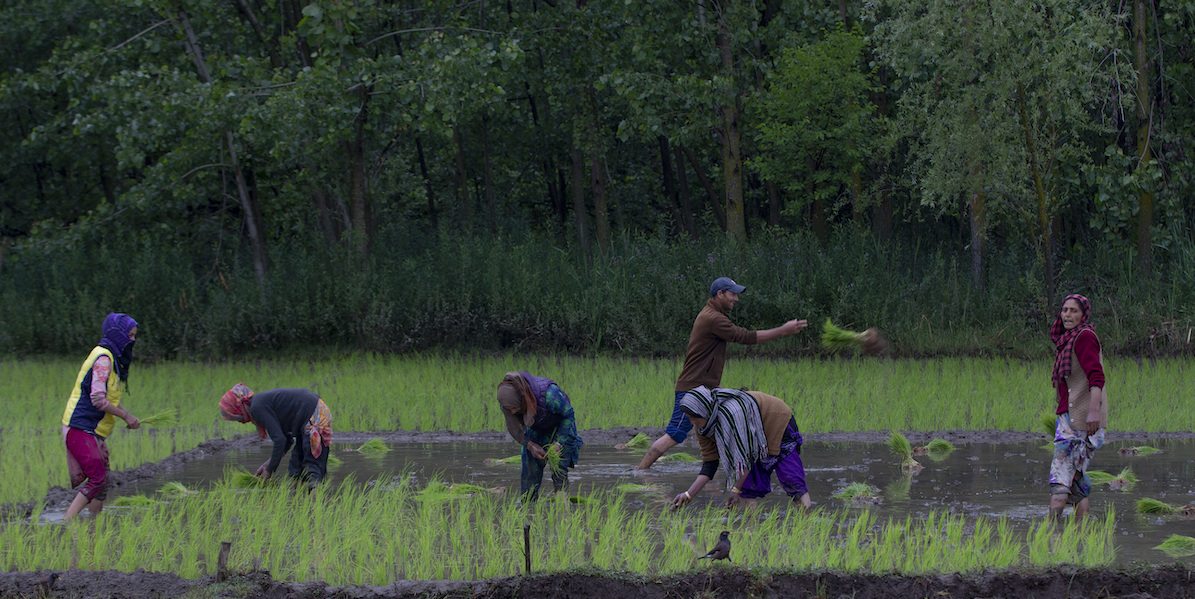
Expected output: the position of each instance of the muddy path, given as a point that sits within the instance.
(59, 497)
(727, 582)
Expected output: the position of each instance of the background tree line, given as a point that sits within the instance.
(569, 174)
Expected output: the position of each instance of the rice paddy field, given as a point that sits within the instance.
(372, 526)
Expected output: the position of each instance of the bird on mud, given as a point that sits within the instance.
(44, 587)
(721, 550)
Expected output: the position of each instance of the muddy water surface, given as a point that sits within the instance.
(981, 479)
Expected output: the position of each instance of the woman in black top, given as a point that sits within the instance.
(286, 416)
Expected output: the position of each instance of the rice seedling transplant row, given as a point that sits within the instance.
(938, 394)
(374, 534)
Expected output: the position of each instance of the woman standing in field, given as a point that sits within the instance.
(92, 409)
(540, 417)
(288, 417)
(1082, 414)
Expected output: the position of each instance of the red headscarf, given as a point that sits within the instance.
(1064, 340)
(234, 406)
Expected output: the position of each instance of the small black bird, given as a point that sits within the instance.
(44, 587)
(721, 550)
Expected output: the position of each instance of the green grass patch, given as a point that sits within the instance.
(374, 445)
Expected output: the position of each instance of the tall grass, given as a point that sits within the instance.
(451, 391)
(336, 537)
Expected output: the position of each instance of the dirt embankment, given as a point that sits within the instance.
(725, 582)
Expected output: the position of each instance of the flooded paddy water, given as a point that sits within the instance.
(976, 480)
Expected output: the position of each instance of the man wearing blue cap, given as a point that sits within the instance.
(706, 355)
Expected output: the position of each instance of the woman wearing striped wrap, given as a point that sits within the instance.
(753, 435)
(288, 417)
(1082, 412)
(539, 416)
(92, 409)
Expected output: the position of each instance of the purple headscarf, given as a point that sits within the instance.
(116, 332)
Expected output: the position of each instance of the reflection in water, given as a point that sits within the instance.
(1006, 480)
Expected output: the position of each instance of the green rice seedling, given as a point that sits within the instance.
(899, 444)
(632, 488)
(334, 461)
(134, 501)
(1139, 450)
(553, 456)
(639, 441)
(858, 492)
(1148, 505)
(165, 419)
(939, 446)
(175, 490)
(1123, 481)
(1178, 546)
(1049, 422)
(241, 479)
(835, 338)
(1100, 477)
(514, 459)
(374, 446)
(679, 456)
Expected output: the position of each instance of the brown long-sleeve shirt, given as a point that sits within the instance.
(706, 354)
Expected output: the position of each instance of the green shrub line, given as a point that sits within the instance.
(419, 292)
(452, 391)
(475, 534)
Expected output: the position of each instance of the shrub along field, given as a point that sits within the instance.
(355, 534)
(453, 391)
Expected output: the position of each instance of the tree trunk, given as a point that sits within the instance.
(265, 40)
(291, 12)
(427, 181)
(1145, 204)
(1042, 239)
(669, 183)
(978, 227)
(732, 158)
(486, 166)
(719, 214)
(686, 203)
(462, 181)
(359, 198)
(579, 212)
(601, 212)
(248, 204)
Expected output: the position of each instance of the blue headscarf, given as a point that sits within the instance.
(116, 332)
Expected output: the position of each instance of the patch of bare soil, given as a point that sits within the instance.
(727, 582)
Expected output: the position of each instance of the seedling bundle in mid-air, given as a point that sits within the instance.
(871, 341)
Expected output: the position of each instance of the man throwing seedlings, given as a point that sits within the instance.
(753, 434)
(540, 417)
(706, 355)
(288, 417)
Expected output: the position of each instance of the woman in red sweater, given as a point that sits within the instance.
(1078, 377)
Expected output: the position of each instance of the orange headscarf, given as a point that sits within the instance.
(234, 406)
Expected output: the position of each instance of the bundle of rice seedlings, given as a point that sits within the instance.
(899, 444)
(639, 441)
(1123, 481)
(871, 341)
(940, 446)
(374, 445)
(241, 479)
(679, 456)
(631, 488)
(174, 490)
(1153, 506)
(334, 461)
(165, 419)
(1048, 421)
(514, 459)
(1139, 450)
(859, 493)
(580, 499)
(1100, 477)
(1178, 546)
(134, 501)
(552, 457)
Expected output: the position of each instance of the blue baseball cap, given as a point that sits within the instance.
(725, 284)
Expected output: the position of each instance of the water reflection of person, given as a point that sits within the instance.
(1082, 414)
(753, 434)
(540, 417)
(705, 356)
(288, 417)
(92, 410)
